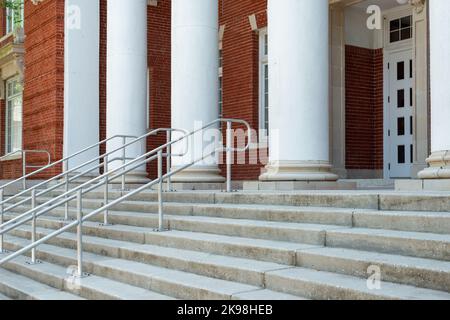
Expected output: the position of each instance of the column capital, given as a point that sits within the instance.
(419, 5)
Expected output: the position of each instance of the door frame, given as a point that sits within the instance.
(388, 50)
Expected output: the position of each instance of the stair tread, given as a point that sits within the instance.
(394, 233)
(259, 266)
(388, 290)
(381, 258)
(330, 229)
(174, 253)
(281, 245)
(155, 273)
(229, 221)
(256, 223)
(33, 289)
(112, 288)
(277, 207)
(322, 278)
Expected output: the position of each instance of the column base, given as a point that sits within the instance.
(439, 163)
(298, 171)
(199, 174)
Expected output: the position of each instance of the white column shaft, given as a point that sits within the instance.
(439, 160)
(195, 49)
(81, 79)
(440, 74)
(298, 90)
(127, 73)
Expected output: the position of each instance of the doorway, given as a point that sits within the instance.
(399, 114)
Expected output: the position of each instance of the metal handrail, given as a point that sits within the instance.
(24, 163)
(51, 165)
(32, 212)
(37, 212)
(105, 165)
(66, 173)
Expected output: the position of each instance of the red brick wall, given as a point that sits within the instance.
(241, 68)
(364, 108)
(159, 63)
(43, 107)
(2, 21)
(102, 73)
(43, 97)
(378, 109)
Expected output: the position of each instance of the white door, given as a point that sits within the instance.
(400, 114)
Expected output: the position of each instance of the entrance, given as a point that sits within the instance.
(400, 114)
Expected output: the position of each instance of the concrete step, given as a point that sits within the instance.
(423, 273)
(416, 221)
(378, 200)
(325, 285)
(17, 287)
(256, 249)
(91, 287)
(279, 231)
(413, 244)
(290, 280)
(175, 283)
(336, 216)
(215, 266)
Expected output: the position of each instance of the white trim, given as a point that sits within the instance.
(263, 60)
(148, 99)
(8, 98)
(388, 50)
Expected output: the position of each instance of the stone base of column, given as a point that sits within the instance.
(299, 171)
(439, 163)
(199, 174)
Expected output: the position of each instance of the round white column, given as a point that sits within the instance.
(298, 91)
(195, 84)
(81, 80)
(439, 160)
(127, 77)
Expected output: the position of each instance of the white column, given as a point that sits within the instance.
(439, 160)
(127, 76)
(81, 79)
(195, 49)
(298, 91)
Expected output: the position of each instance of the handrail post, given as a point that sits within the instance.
(106, 195)
(229, 154)
(169, 160)
(33, 226)
(66, 188)
(124, 159)
(160, 191)
(1, 219)
(24, 170)
(79, 234)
